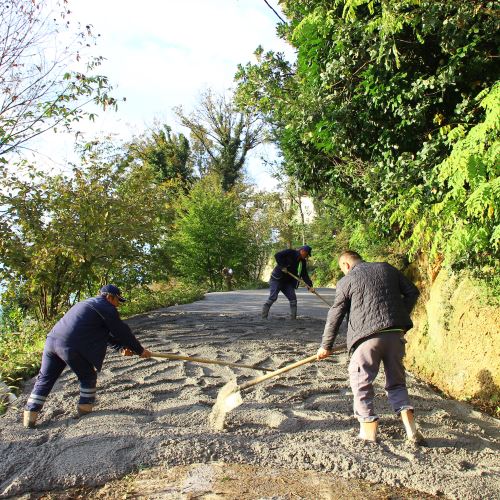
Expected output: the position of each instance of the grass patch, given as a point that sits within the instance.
(160, 295)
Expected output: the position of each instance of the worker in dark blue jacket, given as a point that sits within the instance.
(295, 262)
(79, 340)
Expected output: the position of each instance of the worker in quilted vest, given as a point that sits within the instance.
(378, 299)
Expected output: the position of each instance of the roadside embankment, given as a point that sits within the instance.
(455, 343)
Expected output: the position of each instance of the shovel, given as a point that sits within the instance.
(208, 361)
(309, 288)
(229, 396)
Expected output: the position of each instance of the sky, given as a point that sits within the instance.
(164, 53)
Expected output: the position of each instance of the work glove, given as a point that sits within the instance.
(284, 270)
(128, 352)
(323, 353)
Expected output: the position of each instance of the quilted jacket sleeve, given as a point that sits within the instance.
(336, 313)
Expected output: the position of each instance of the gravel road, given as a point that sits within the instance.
(156, 413)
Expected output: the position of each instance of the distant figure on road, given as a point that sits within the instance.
(227, 273)
(294, 261)
(378, 299)
(79, 340)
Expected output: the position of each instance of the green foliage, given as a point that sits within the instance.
(335, 229)
(258, 210)
(167, 153)
(462, 222)
(210, 233)
(381, 95)
(159, 295)
(20, 351)
(64, 236)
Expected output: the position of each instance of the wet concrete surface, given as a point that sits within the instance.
(156, 413)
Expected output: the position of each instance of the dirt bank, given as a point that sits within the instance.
(455, 344)
(155, 413)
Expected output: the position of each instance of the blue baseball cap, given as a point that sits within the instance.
(113, 290)
(307, 248)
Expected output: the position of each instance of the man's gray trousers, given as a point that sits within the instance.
(388, 348)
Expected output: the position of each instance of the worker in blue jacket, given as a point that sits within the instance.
(288, 260)
(79, 340)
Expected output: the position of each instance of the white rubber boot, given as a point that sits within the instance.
(412, 433)
(368, 431)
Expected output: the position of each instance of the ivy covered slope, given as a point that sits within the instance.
(389, 117)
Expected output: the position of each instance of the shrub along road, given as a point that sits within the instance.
(155, 414)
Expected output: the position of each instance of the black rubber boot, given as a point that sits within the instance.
(265, 310)
(293, 311)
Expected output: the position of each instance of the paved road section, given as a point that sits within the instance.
(251, 301)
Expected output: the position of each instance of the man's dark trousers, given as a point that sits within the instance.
(54, 359)
(277, 286)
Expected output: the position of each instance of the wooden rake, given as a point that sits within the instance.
(193, 359)
(229, 396)
(309, 288)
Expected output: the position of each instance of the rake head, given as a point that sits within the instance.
(228, 399)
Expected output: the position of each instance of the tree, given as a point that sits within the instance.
(259, 211)
(167, 153)
(366, 112)
(63, 236)
(210, 233)
(221, 136)
(38, 91)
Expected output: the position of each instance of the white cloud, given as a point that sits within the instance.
(161, 54)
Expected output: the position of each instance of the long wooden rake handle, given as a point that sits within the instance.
(286, 368)
(207, 361)
(309, 288)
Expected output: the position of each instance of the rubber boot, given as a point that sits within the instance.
(29, 419)
(84, 409)
(293, 311)
(265, 310)
(368, 431)
(413, 435)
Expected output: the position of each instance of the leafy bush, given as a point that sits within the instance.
(462, 221)
(252, 285)
(20, 351)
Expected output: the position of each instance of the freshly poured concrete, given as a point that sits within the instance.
(156, 413)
